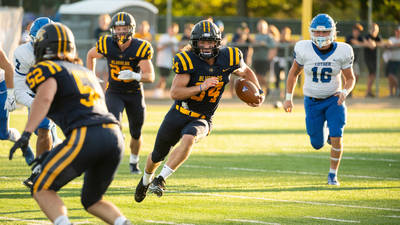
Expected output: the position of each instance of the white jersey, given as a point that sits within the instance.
(24, 59)
(323, 71)
(2, 75)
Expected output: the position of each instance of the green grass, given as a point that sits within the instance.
(256, 167)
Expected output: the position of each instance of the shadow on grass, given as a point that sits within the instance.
(298, 131)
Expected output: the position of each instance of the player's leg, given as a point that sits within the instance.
(135, 110)
(315, 120)
(100, 174)
(192, 132)
(168, 135)
(7, 133)
(336, 117)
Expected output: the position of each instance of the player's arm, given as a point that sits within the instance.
(90, 58)
(41, 104)
(349, 82)
(5, 64)
(293, 75)
(180, 91)
(147, 71)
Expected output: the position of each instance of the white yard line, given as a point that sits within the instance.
(37, 222)
(289, 172)
(165, 222)
(251, 221)
(292, 201)
(332, 219)
(394, 216)
(344, 157)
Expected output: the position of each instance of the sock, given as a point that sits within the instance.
(332, 171)
(134, 158)
(147, 178)
(120, 220)
(166, 172)
(62, 220)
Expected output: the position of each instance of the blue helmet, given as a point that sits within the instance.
(37, 24)
(323, 22)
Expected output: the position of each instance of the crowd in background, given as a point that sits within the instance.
(268, 51)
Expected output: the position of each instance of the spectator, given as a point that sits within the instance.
(186, 35)
(393, 66)
(104, 26)
(244, 28)
(166, 49)
(221, 27)
(371, 41)
(281, 60)
(356, 40)
(25, 34)
(144, 31)
(262, 55)
(242, 42)
(101, 64)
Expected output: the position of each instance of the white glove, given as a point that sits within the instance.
(10, 104)
(129, 75)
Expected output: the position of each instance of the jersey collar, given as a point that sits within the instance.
(326, 55)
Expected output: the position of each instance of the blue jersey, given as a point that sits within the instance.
(187, 62)
(79, 100)
(123, 60)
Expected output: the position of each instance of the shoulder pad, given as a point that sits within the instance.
(24, 58)
(101, 44)
(182, 63)
(41, 72)
(145, 50)
(233, 55)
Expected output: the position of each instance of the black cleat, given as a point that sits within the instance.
(157, 186)
(36, 169)
(141, 189)
(134, 168)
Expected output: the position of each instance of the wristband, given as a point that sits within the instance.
(345, 92)
(288, 97)
(200, 88)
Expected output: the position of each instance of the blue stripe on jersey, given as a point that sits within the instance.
(324, 56)
(22, 74)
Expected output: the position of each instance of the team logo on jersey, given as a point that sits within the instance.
(131, 58)
(224, 70)
(121, 56)
(39, 35)
(211, 70)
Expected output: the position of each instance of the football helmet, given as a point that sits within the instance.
(54, 41)
(122, 19)
(205, 31)
(37, 24)
(323, 22)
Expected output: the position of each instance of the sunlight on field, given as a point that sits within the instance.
(256, 167)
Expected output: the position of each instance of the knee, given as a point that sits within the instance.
(4, 135)
(188, 141)
(159, 154)
(317, 144)
(88, 201)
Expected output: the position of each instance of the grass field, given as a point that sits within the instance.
(256, 167)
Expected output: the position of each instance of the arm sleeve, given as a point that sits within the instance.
(348, 58)
(297, 55)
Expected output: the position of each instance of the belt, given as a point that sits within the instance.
(110, 125)
(189, 113)
(318, 99)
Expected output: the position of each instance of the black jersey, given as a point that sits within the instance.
(206, 102)
(123, 60)
(79, 100)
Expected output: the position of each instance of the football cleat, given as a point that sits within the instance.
(157, 186)
(134, 168)
(141, 190)
(332, 179)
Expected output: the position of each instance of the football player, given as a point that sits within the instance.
(129, 63)
(24, 59)
(323, 60)
(7, 104)
(71, 96)
(202, 70)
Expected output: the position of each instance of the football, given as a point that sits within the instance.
(247, 91)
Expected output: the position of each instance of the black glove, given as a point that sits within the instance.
(22, 143)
